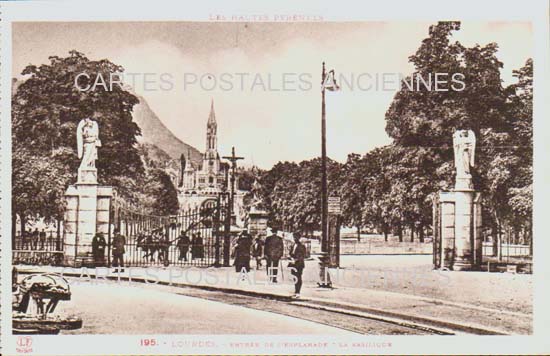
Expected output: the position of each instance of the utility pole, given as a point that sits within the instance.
(324, 277)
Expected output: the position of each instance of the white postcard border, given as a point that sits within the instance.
(535, 11)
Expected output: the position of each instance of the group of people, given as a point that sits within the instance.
(33, 239)
(196, 245)
(158, 242)
(118, 244)
(272, 249)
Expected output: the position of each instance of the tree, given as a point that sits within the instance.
(46, 109)
(292, 193)
(423, 121)
(353, 191)
(164, 195)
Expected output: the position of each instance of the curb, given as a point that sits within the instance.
(442, 326)
(438, 326)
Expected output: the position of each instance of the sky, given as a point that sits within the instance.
(264, 78)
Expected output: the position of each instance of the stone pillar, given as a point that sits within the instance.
(464, 237)
(257, 223)
(447, 233)
(460, 223)
(87, 213)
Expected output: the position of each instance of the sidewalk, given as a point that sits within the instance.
(472, 300)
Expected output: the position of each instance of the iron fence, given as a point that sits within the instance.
(197, 237)
(37, 248)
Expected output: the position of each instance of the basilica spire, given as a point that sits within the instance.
(212, 116)
(211, 130)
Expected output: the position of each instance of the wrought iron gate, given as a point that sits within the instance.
(197, 237)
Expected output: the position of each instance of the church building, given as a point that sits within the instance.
(199, 183)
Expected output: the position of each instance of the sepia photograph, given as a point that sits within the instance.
(306, 185)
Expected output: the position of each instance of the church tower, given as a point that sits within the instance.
(211, 161)
(211, 134)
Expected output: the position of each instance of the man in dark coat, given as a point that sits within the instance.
(119, 242)
(98, 249)
(197, 248)
(298, 255)
(34, 239)
(42, 238)
(274, 248)
(242, 252)
(183, 245)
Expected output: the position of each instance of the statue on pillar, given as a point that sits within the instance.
(464, 144)
(87, 140)
(257, 201)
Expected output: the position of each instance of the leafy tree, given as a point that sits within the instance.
(353, 191)
(292, 192)
(164, 195)
(423, 122)
(46, 109)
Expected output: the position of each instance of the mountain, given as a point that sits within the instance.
(154, 132)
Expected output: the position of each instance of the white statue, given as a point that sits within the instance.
(87, 142)
(464, 143)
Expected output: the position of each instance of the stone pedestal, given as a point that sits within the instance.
(87, 213)
(87, 175)
(459, 237)
(257, 223)
(463, 183)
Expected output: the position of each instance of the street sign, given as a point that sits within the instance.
(334, 206)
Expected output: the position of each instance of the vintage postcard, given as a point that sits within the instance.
(245, 178)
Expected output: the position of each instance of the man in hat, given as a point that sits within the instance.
(183, 245)
(118, 249)
(298, 256)
(273, 251)
(242, 252)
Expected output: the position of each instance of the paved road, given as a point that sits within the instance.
(136, 309)
(122, 308)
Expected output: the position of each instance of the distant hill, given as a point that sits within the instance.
(154, 157)
(154, 132)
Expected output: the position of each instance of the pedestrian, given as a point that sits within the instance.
(42, 238)
(197, 248)
(26, 236)
(183, 245)
(297, 265)
(34, 239)
(98, 249)
(242, 252)
(274, 248)
(257, 251)
(118, 250)
(164, 248)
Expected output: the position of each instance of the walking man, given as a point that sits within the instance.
(257, 250)
(274, 248)
(118, 250)
(298, 256)
(242, 252)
